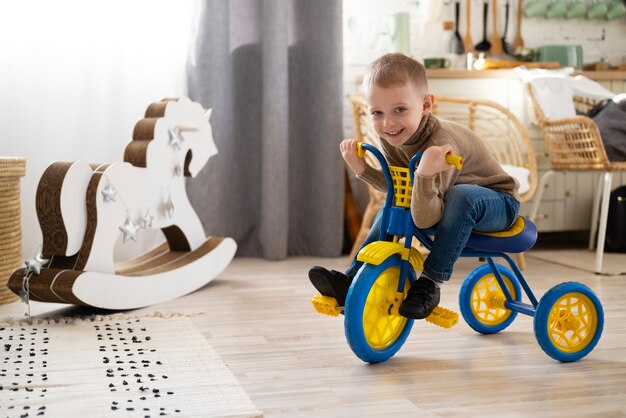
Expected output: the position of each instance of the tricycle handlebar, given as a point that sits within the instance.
(454, 160)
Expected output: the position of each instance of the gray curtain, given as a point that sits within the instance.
(272, 72)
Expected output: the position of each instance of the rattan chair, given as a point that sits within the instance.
(575, 144)
(501, 131)
(364, 132)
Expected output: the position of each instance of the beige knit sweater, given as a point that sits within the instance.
(479, 167)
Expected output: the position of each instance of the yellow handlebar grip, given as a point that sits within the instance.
(359, 150)
(455, 160)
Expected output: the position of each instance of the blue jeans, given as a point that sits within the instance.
(467, 207)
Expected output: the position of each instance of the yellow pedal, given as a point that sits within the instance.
(443, 317)
(325, 305)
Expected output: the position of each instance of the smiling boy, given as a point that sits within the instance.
(446, 203)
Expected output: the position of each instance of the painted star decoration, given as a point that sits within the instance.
(176, 138)
(178, 170)
(109, 193)
(169, 206)
(129, 229)
(33, 265)
(146, 220)
(24, 295)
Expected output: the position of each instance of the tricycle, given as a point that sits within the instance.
(568, 320)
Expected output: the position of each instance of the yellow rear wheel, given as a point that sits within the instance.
(569, 321)
(572, 322)
(488, 300)
(482, 300)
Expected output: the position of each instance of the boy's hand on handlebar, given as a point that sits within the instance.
(349, 154)
(433, 161)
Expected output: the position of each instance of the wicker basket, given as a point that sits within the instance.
(11, 169)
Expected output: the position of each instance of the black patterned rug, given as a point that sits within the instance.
(108, 366)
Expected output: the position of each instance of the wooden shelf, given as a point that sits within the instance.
(507, 73)
(460, 73)
(603, 75)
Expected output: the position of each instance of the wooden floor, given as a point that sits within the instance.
(295, 362)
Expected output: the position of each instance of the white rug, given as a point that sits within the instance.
(613, 264)
(115, 366)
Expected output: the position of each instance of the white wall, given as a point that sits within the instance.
(77, 75)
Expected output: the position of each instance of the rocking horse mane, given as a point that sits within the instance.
(136, 150)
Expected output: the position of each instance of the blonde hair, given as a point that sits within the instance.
(394, 69)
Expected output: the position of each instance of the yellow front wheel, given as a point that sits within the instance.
(569, 321)
(374, 329)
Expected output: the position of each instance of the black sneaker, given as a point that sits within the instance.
(331, 283)
(421, 300)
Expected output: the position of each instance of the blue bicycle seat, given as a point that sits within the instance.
(518, 238)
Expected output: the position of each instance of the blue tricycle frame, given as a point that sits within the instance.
(568, 320)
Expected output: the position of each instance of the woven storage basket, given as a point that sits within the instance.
(11, 169)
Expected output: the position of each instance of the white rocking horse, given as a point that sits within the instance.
(84, 209)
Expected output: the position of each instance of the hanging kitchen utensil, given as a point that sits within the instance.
(496, 42)
(468, 43)
(484, 45)
(457, 43)
(508, 48)
(518, 42)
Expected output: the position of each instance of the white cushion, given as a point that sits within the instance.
(521, 174)
(554, 90)
(554, 97)
(585, 87)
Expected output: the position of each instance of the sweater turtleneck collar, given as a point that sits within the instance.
(426, 126)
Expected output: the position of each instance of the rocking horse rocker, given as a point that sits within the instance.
(84, 209)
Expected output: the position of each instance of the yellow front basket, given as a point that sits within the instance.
(402, 188)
